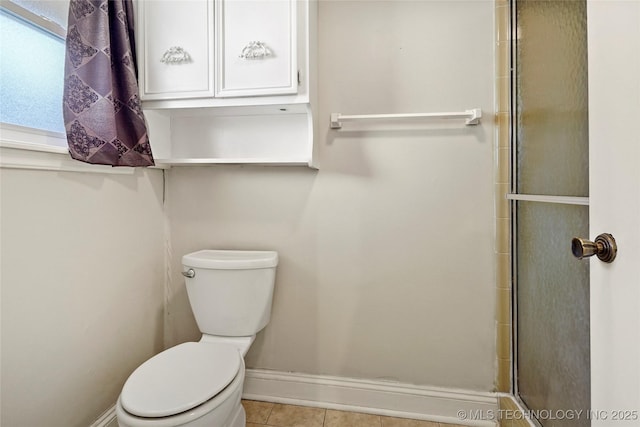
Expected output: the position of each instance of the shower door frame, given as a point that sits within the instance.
(514, 198)
(614, 207)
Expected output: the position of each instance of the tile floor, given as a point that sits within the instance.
(278, 415)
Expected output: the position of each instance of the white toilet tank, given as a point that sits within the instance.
(230, 291)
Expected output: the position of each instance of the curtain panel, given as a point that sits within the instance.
(102, 112)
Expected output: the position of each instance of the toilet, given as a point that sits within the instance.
(199, 384)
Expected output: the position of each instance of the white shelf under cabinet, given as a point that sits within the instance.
(274, 135)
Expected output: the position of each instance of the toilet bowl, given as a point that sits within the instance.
(191, 384)
(199, 384)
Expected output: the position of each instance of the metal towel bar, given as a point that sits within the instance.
(472, 117)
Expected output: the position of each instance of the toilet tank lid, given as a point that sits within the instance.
(230, 259)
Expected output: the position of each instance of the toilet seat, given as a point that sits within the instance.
(180, 378)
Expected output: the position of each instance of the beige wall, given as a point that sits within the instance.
(387, 252)
(82, 290)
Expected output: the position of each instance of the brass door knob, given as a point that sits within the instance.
(604, 247)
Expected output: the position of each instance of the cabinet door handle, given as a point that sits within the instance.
(255, 50)
(175, 55)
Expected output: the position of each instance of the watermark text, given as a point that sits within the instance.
(624, 415)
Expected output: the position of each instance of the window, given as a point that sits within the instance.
(32, 63)
(32, 135)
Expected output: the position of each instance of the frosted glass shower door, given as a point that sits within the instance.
(550, 175)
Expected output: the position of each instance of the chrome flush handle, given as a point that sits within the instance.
(189, 273)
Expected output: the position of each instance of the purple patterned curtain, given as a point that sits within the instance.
(102, 112)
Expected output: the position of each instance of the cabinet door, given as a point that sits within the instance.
(256, 48)
(176, 41)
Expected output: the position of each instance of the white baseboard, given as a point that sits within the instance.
(107, 419)
(369, 396)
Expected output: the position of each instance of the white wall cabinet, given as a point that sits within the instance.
(228, 81)
(256, 48)
(176, 49)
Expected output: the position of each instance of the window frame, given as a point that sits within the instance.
(35, 19)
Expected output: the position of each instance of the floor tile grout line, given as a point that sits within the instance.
(270, 411)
